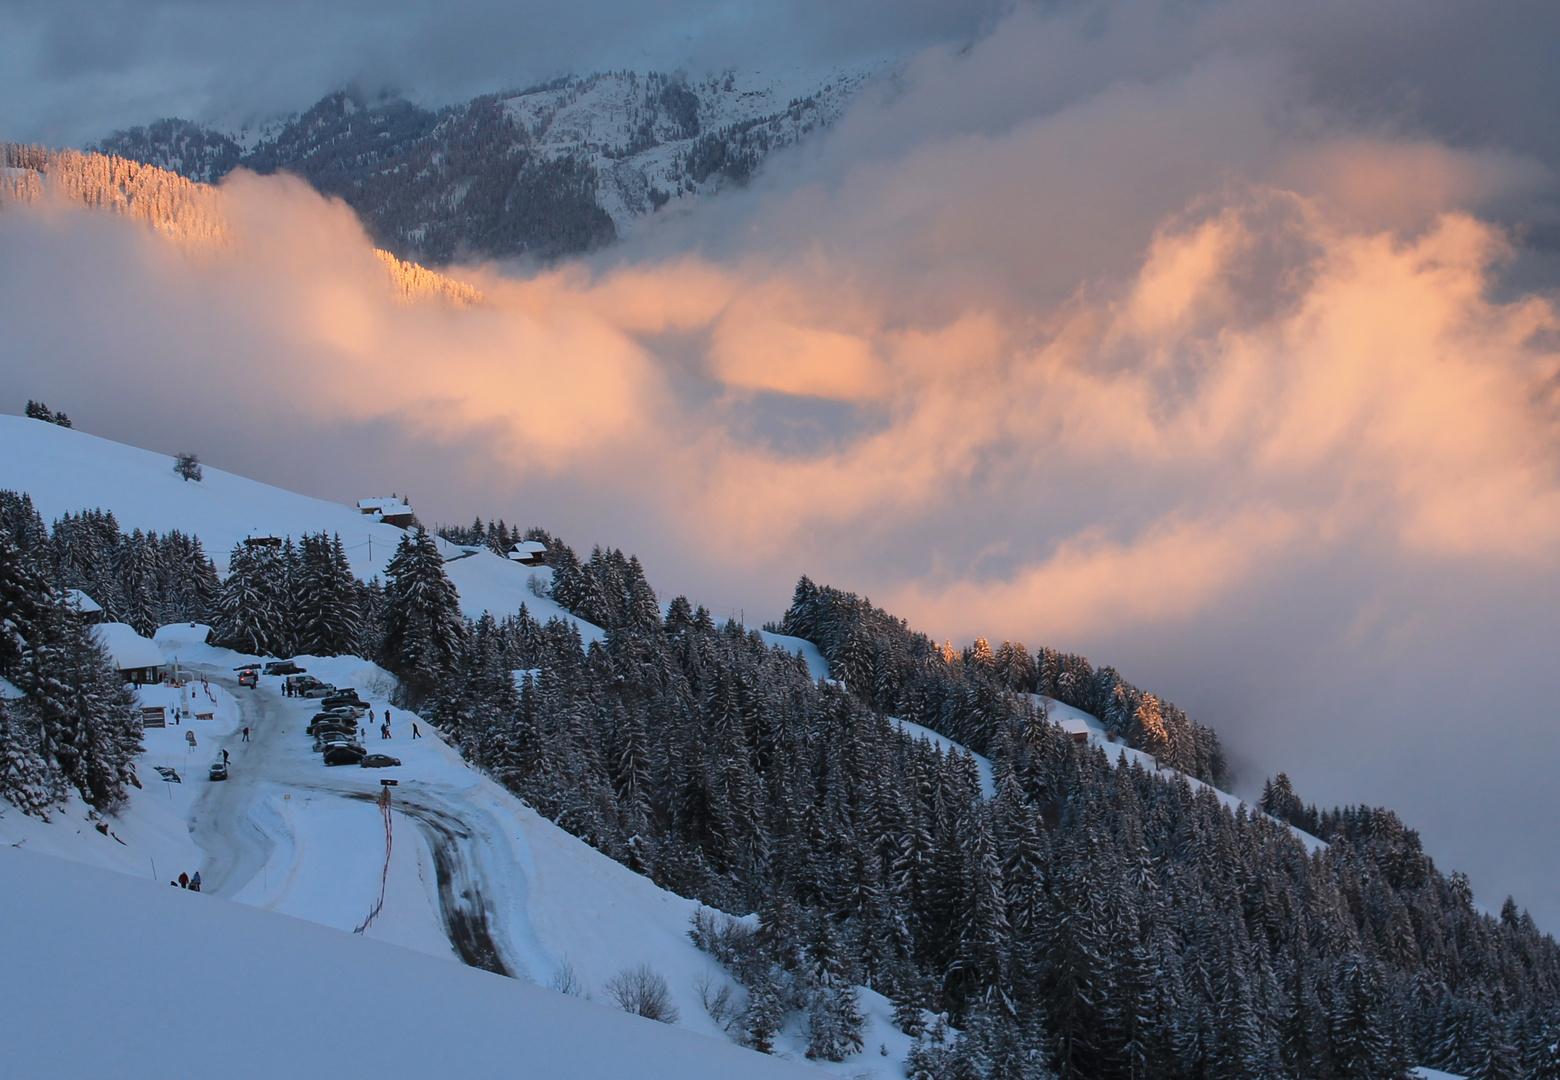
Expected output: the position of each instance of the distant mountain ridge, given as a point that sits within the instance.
(559, 169)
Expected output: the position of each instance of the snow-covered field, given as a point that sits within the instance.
(108, 976)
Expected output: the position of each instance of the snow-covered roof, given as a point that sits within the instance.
(1074, 725)
(387, 507)
(83, 603)
(126, 648)
(528, 551)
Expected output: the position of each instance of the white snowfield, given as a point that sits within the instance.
(107, 976)
(472, 874)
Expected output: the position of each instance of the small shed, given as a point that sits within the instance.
(136, 658)
(529, 553)
(392, 511)
(1076, 729)
(90, 609)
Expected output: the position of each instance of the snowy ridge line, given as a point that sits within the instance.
(1062, 713)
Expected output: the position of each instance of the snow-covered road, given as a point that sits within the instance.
(255, 853)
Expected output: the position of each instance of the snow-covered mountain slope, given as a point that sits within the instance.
(651, 137)
(1089, 725)
(113, 977)
(553, 170)
(469, 873)
(66, 470)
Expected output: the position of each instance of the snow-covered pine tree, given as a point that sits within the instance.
(250, 617)
(423, 622)
(86, 713)
(27, 779)
(23, 591)
(85, 548)
(137, 566)
(326, 619)
(1361, 1042)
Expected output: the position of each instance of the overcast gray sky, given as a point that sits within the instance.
(1215, 340)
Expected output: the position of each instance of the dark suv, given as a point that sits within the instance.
(344, 754)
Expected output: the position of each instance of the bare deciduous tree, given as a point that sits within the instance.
(643, 991)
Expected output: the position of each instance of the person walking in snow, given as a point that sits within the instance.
(246, 735)
(195, 882)
(415, 733)
(184, 880)
(384, 731)
(224, 755)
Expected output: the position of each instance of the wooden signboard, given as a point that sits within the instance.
(154, 717)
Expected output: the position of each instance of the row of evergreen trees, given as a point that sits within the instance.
(75, 725)
(139, 578)
(1092, 920)
(496, 536)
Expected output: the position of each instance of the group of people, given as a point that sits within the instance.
(384, 727)
(187, 882)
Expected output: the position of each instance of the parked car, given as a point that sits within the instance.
(320, 730)
(339, 700)
(323, 739)
(380, 761)
(249, 677)
(332, 718)
(319, 691)
(283, 667)
(299, 683)
(218, 771)
(344, 755)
